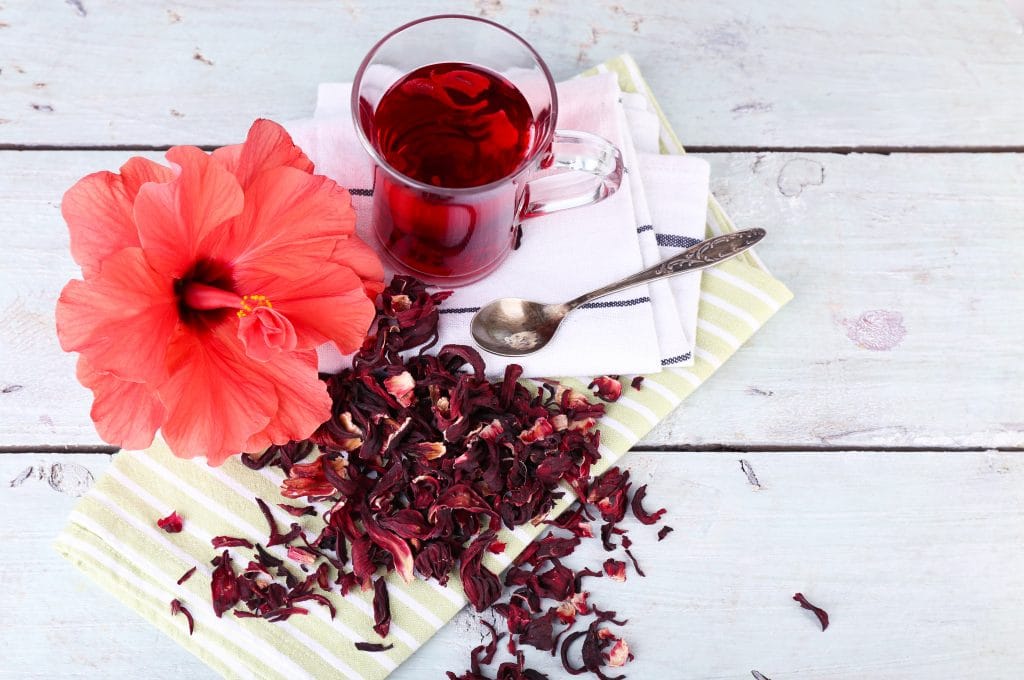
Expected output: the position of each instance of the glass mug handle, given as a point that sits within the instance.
(583, 169)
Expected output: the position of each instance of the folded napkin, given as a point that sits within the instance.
(670, 199)
(112, 536)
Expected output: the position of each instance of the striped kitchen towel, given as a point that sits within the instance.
(113, 538)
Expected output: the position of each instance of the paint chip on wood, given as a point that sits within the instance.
(70, 478)
(595, 36)
(43, 107)
(799, 173)
(67, 478)
(488, 8)
(748, 470)
(8, 389)
(24, 475)
(753, 107)
(198, 56)
(78, 6)
(878, 330)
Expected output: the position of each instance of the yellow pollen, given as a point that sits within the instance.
(252, 302)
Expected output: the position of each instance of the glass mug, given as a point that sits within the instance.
(458, 115)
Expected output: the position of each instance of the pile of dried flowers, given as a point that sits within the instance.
(422, 462)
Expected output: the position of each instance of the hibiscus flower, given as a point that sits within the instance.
(207, 287)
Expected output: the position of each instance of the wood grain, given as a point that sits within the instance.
(918, 559)
(731, 73)
(905, 329)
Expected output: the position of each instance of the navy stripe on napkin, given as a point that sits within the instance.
(590, 305)
(675, 240)
(676, 359)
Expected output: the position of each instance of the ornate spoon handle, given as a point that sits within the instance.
(704, 254)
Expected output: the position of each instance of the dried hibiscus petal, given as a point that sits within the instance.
(609, 494)
(186, 576)
(616, 569)
(230, 542)
(307, 480)
(608, 387)
(619, 653)
(381, 608)
(298, 511)
(566, 646)
(435, 561)
(401, 554)
(539, 632)
(301, 555)
(664, 531)
(224, 585)
(818, 611)
(276, 537)
(401, 388)
(607, 530)
(319, 599)
(636, 382)
(481, 585)
(172, 524)
(632, 558)
(636, 505)
(178, 608)
(373, 647)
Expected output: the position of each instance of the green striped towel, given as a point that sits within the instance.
(112, 534)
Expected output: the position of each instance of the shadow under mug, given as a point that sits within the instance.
(454, 236)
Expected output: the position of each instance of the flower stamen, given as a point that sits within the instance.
(251, 303)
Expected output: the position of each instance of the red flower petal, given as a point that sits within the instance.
(121, 318)
(98, 210)
(267, 146)
(126, 414)
(289, 226)
(328, 304)
(302, 398)
(360, 258)
(183, 219)
(217, 397)
(265, 333)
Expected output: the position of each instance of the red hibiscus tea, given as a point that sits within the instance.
(457, 113)
(453, 126)
(450, 126)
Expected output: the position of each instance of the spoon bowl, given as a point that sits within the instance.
(514, 327)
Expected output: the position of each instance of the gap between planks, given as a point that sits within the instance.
(723, 149)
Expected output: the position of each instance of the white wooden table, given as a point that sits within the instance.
(879, 142)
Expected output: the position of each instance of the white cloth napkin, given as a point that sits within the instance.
(676, 190)
(562, 255)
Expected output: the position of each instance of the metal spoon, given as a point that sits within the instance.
(513, 327)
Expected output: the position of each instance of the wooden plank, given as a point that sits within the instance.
(907, 272)
(739, 72)
(917, 557)
(904, 331)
